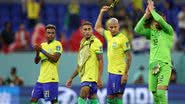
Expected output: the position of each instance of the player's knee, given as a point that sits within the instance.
(33, 100)
(84, 93)
(110, 96)
(119, 95)
(162, 87)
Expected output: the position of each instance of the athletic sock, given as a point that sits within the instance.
(119, 101)
(94, 101)
(156, 101)
(81, 100)
(162, 98)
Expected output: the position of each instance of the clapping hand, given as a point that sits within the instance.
(150, 5)
(37, 47)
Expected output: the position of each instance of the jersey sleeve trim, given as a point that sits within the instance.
(99, 52)
(127, 50)
(104, 34)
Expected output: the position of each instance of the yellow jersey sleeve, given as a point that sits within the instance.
(58, 48)
(125, 45)
(41, 55)
(98, 47)
(92, 64)
(107, 35)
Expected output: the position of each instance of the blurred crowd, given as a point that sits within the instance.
(32, 27)
(13, 79)
(141, 76)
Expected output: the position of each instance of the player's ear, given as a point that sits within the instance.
(118, 25)
(81, 28)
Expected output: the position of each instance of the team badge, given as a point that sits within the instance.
(114, 45)
(49, 50)
(58, 48)
(101, 49)
(127, 44)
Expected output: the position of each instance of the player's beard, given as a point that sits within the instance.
(50, 40)
(88, 36)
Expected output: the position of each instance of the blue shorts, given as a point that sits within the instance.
(114, 85)
(48, 91)
(92, 85)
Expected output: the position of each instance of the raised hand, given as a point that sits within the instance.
(68, 83)
(105, 8)
(147, 12)
(100, 84)
(37, 47)
(150, 5)
(124, 79)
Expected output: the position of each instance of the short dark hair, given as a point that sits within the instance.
(50, 26)
(86, 23)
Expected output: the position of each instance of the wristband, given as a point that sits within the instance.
(43, 51)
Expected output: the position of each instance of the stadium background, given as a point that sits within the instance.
(57, 12)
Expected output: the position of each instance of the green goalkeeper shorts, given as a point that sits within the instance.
(160, 79)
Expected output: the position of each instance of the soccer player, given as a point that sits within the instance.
(160, 33)
(90, 65)
(49, 54)
(119, 57)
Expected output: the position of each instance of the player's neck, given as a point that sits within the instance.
(87, 38)
(50, 41)
(115, 34)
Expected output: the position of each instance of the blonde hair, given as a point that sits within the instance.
(50, 26)
(115, 20)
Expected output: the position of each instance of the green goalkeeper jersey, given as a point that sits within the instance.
(161, 41)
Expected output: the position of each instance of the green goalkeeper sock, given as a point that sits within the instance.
(111, 101)
(162, 98)
(81, 100)
(156, 101)
(33, 103)
(119, 101)
(94, 101)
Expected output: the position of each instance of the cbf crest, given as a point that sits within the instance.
(114, 44)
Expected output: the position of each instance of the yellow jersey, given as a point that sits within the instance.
(116, 48)
(92, 65)
(49, 70)
(33, 9)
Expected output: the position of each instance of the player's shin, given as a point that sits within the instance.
(156, 101)
(162, 96)
(81, 100)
